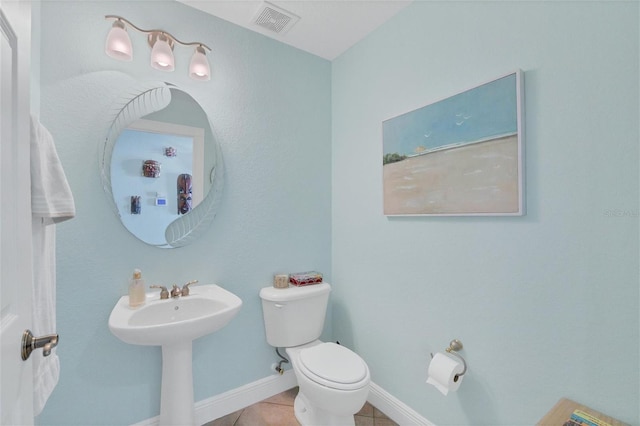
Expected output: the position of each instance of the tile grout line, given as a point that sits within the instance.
(376, 420)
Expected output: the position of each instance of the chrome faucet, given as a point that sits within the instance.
(175, 291)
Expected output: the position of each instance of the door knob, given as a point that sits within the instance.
(29, 343)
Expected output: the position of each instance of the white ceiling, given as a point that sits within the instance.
(326, 28)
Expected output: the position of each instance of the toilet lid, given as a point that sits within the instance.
(333, 363)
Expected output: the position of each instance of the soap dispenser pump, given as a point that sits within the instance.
(137, 295)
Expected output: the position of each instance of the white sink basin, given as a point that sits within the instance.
(205, 310)
(173, 324)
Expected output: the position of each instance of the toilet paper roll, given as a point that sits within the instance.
(443, 373)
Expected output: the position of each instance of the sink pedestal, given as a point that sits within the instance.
(173, 324)
(176, 395)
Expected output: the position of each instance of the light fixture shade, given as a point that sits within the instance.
(199, 67)
(162, 55)
(118, 45)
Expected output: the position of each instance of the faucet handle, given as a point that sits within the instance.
(164, 293)
(185, 288)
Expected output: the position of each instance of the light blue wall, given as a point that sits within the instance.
(270, 107)
(547, 304)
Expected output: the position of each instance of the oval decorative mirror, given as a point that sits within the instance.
(161, 166)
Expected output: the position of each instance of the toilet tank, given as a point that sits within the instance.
(294, 316)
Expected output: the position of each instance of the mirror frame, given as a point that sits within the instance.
(134, 105)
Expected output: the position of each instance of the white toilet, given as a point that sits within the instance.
(333, 380)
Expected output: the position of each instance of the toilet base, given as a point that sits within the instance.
(308, 415)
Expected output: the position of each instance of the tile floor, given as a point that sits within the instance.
(278, 411)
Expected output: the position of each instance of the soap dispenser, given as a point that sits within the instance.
(137, 295)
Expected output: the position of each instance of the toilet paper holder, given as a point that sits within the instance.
(454, 346)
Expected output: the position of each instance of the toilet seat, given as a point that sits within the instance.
(333, 366)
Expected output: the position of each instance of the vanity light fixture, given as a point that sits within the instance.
(118, 46)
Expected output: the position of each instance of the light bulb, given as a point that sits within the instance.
(199, 67)
(118, 45)
(162, 54)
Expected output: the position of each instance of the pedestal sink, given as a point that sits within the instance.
(173, 324)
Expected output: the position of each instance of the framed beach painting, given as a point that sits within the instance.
(460, 156)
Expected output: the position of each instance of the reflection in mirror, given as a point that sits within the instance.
(163, 173)
(147, 141)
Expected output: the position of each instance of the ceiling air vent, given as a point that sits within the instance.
(274, 18)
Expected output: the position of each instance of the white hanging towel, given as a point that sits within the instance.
(51, 203)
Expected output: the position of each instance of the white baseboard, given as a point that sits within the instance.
(236, 399)
(395, 409)
(244, 396)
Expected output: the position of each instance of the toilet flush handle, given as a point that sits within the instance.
(279, 305)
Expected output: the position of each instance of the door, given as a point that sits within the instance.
(16, 397)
